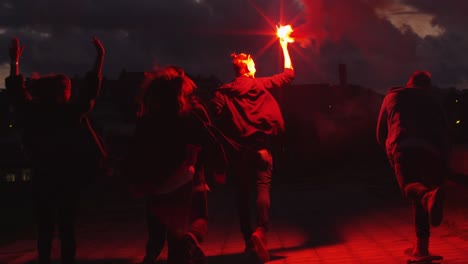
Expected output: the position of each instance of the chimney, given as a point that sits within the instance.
(343, 75)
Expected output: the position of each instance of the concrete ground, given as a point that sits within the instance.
(356, 217)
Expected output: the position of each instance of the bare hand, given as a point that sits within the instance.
(283, 42)
(99, 47)
(15, 49)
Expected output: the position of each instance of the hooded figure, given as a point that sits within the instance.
(413, 130)
(250, 118)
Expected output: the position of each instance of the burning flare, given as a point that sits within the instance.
(284, 32)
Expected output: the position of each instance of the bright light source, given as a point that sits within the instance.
(10, 177)
(284, 32)
(458, 122)
(26, 175)
(10, 126)
(456, 101)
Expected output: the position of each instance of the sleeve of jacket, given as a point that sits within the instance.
(216, 104)
(212, 153)
(89, 92)
(278, 80)
(382, 126)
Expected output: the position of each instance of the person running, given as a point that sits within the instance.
(172, 145)
(413, 130)
(249, 116)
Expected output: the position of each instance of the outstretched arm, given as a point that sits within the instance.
(287, 58)
(14, 83)
(382, 127)
(100, 52)
(15, 53)
(92, 86)
(287, 76)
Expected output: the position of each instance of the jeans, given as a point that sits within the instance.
(47, 203)
(170, 216)
(418, 171)
(253, 167)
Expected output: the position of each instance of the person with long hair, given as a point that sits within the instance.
(172, 145)
(52, 125)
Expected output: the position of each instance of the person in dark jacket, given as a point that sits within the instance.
(172, 145)
(413, 130)
(250, 117)
(52, 127)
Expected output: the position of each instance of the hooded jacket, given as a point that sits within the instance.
(245, 107)
(412, 117)
(59, 137)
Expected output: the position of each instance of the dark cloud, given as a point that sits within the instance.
(446, 55)
(200, 36)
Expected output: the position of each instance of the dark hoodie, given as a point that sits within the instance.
(412, 117)
(159, 147)
(245, 108)
(58, 137)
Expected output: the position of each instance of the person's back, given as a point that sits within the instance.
(251, 107)
(160, 145)
(415, 118)
(250, 117)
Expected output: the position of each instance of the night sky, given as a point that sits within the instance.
(381, 41)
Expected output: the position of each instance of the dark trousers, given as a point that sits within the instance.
(170, 216)
(253, 167)
(419, 171)
(50, 204)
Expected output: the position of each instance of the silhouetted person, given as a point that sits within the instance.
(413, 130)
(172, 146)
(249, 116)
(52, 130)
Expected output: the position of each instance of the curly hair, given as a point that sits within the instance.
(240, 63)
(167, 88)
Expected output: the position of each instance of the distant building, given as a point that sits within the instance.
(14, 166)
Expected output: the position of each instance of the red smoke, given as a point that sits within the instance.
(350, 31)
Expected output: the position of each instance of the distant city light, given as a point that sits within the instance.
(458, 122)
(456, 101)
(26, 175)
(10, 177)
(10, 126)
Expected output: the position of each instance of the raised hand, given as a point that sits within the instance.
(283, 42)
(15, 50)
(99, 47)
(284, 34)
(100, 52)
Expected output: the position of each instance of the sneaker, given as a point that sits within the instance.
(434, 203)
(259, 243)
(421, 247)
(193, 249)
